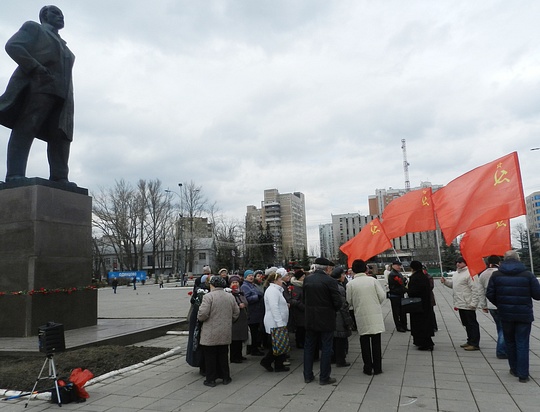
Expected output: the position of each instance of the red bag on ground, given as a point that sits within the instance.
(79, 378)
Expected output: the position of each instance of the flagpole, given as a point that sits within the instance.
(395, 251)
(530, 248)
(439, 251)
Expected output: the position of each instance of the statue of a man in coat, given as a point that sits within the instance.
(38, 101)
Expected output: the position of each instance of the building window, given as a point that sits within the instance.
(202, 256)
(168, 258)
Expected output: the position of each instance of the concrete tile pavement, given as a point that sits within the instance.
(447, 379)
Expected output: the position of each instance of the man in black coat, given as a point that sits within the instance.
(321, 300)
(512, 289)
(396, 290)
(38, 101)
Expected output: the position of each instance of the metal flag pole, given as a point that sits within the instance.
(530, 248)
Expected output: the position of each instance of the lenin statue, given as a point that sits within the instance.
(38, 101)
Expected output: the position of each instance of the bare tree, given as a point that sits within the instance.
(229, 239)
(116, 213)
(159, 211)
(194, 204)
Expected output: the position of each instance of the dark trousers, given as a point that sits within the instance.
(216, 362)
(516, 337)
(468, 319)
(326, 339)
(270, 358)
(255, 337)
(340, 350)
(500, 350)
(300, 336)
(38, 109)
(370, 346)
(400, 317)
(434, 319)
(236, 350)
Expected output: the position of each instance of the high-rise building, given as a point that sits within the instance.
(343, 227)
(421, 246)
(533, 214)
(326, 240)
(285, 217)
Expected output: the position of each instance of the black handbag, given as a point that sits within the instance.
(412, 305)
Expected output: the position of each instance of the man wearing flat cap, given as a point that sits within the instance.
(397, 286)
(321, 300)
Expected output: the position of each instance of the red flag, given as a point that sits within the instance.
(492, 239)
(366, 244)
(484, 195)
(412, 212)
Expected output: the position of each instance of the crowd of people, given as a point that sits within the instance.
(322, 306)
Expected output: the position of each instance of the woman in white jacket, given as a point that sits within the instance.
(276, 316)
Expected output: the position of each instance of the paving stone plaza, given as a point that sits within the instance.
(447, 379)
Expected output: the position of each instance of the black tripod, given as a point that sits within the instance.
(52, 375)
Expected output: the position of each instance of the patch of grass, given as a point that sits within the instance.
(20, 372)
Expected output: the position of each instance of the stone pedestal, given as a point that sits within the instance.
(45, 257)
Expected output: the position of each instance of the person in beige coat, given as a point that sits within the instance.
(365, 295)
(217, 312)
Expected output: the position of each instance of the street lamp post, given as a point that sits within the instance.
(179, 234)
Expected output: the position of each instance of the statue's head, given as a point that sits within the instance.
(53, 16)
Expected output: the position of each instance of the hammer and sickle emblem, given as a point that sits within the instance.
(500, 223)
(499, 177)
(425, 201)
(374, 229)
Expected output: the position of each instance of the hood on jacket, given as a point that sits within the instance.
(512, 267)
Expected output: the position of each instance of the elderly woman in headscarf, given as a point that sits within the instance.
(240, 326)
(217, 312)
(421, 322)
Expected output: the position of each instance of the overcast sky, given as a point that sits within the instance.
(310, 95)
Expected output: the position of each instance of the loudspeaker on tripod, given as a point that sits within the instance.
(51, 338)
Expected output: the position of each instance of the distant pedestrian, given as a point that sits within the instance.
(134, 280)
(512, 289)
(321, 300)
(114, 284)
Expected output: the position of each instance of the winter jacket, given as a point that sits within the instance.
(511, 289)
(276, 308)
(343, 317)
(297, 309)
(255, 300)
(396, 284)
(218, 311)
(466, 289)
(240, 326)
(483, 278)
(365, 294)
(321, 300)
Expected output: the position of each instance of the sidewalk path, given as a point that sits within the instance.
(447, 379)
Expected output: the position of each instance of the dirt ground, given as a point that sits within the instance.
(21, 372)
